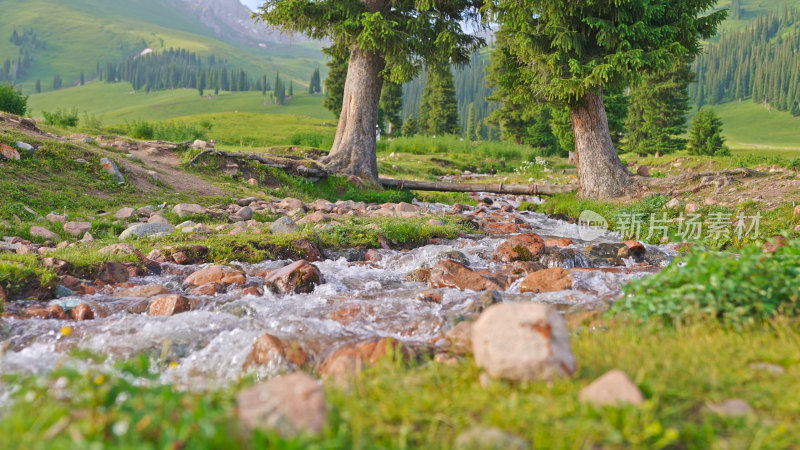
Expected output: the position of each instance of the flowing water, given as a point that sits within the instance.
(359, 301)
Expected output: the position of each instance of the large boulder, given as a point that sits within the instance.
(522, 342)
(346, 362)
(77, 228)
(450, 274)
(553, 279)
(289, 405)
(522, 247)
(188, 209)
(143, 230)
(221, 275)
(269, 349)
(296, 278)
(44, 233)
(283, 225)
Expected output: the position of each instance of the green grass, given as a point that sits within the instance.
(116, 103)
(751, 128)
(680, 371)
(81, 33)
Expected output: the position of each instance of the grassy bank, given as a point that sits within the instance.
(681, 371)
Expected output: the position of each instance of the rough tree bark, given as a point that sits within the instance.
(353, 151)
(601, 174)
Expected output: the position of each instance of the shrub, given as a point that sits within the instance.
(166, 131)
(61, 117)
(12, 101)
(753, 287)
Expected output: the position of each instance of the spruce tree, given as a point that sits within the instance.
(410, 127)
(386, 39)
(38, 88)
(439, 108)
(334, 83)
(392, 107)
(571, 53)
(291, 89)
(470, 133)
(657, 112)
(705, 135)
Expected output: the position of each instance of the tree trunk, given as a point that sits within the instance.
(353, 151)
(601, 174)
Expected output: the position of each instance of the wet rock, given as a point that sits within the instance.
(560, 243)
(168, 305)
(308, 249)
(459, 338)
(82, 312)
(146, 291)
(350, 360)
(111, 168)
(732, 408)
(453, 255)
(430, 297)
(613, 388)
(549, 280)
(63, 292)
(607, 254)
(44, 233)
(125, 214)
(188, 209)
(269, 349)
(422, 275)
(489, 439)
(523, 247)
(143, 230)
(55, 217)
(450, 274)
(500, 228)
(283, 225)
(298, 277)
(522, 342)
(222, 275)
(637, 249)
(485, 300)
(77, 228)
(289, 405)
(207, 289)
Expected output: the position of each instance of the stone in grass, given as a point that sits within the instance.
(77, 228)
(125, 214)
(44, 233)
(732, 408)
(283, 225)
(522, 342)
(187, 209)
(112, 169)
(489, 439)
(289, 405)
(143, 230)
(613, 388)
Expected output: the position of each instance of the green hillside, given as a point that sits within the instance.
(749, 126)
(79, 34)
(116, 103)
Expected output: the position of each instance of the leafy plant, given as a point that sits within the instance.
(62, 117)
(751, 288)
(12, 101)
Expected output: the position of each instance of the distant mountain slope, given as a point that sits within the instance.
(79, 34)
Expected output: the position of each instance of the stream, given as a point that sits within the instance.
(360, 300)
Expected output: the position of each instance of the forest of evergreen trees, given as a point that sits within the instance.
(180, 68)
(28, 43)
(761, 62)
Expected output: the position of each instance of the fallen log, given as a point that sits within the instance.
(289, 163)
(494, 188)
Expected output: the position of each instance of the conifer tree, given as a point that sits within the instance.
(392, 107)
(410, 127)
(439, 108)
(705, 135)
